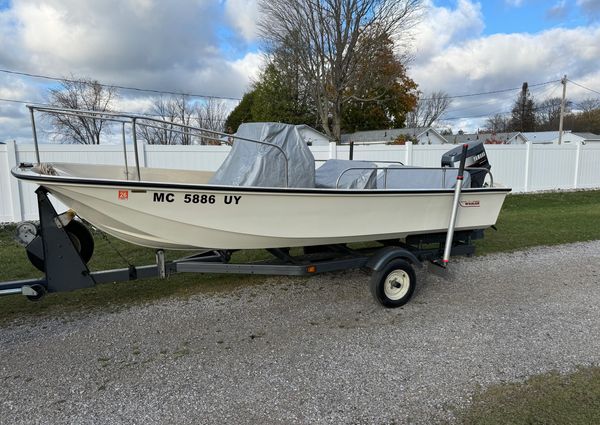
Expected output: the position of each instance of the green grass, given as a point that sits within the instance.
(15, 265)
(544, 219)
(549, 399)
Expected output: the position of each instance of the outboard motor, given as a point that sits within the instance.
(476, 158)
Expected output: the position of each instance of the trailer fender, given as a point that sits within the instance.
(382, 257)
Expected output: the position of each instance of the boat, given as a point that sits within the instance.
(260, 197)
(269, 193)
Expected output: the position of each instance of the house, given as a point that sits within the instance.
(421, 136)
(490, 138)
(313, 137)
(517, 138)
(586, 138)
(551, 137)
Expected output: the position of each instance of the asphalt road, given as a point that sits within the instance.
(316, 350)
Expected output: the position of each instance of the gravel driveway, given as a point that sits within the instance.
(316, 350)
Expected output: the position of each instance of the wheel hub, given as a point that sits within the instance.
(397, 284)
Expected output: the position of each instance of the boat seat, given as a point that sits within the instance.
(351, 175)
(399, 177)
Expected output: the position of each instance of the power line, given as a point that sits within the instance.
(494, 91)
(536, 109)
(584, 87)
(142, 114)
(23, 102)
(46, 77)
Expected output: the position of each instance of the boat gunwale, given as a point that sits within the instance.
(37, 177)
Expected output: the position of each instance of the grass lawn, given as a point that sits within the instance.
(549, 399)
(544, 219)
(525, 221)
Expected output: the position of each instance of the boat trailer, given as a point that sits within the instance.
(62, 254)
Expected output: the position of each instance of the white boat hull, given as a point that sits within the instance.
(184, 216)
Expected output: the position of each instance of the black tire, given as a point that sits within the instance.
(82, 240)
(394, 284)
(41, 291)
(38, 262)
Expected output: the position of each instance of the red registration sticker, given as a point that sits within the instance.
(469, 204)
(123, 195)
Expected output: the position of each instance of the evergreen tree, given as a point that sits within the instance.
(241, 113)
(523, 112)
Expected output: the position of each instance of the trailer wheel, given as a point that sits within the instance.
(40, 292)
(82, 240)
(394, 284)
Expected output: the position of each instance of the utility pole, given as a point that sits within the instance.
(562, 109)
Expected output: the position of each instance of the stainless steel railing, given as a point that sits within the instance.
(386, 170)
(135, 122)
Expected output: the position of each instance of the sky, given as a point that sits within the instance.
(210, 47)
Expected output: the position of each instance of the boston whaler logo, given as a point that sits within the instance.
(123, 195)
(469, 204)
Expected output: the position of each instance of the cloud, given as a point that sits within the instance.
(251, 65)
(466, 62)
(558, 12)
(172, 46)
(14, 116)
(145, 43)
(243, 14)
(514, 3)
(441, 27)
(590, 7)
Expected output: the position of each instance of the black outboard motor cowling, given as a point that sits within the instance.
(476, 158)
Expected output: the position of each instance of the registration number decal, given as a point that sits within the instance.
(196, 198)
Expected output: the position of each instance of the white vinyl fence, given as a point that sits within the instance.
(525, 168)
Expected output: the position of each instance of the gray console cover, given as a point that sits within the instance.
(253, 164)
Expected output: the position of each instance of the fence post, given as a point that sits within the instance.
(408, 153)
(577, 161)
(527, 166)
(142, 154)
(15, 185)
(332, 150)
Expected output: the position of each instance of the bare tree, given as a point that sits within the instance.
(327, 37)
(86, 95)
(589, 104)
(428, 110)
(548, 112)
(175, 110)
(498, 123)
(211, 115)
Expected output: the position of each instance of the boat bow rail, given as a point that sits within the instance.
(146, 126)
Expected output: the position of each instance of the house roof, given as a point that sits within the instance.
(588, 136)
(469, 137)
(385, 135)
(306, 127)
(541, 136)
